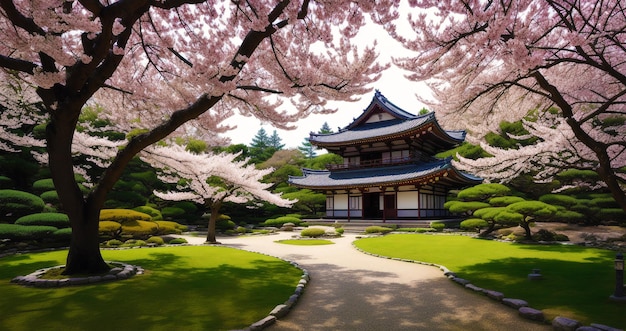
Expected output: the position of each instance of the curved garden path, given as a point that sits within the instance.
(350, 290)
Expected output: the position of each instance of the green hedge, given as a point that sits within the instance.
(18, 232)
(278, 222)
(312, 232)
(62, 235)
(15, 204)
(51, 197)
(43, 185)
(56, 220)
(474, 224)
(377, 229)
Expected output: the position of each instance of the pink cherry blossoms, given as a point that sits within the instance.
(240, 182)
(490, 61)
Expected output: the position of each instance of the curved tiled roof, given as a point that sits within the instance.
(403, 123)
(383, 176)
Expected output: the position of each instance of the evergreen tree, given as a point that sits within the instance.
(325, 129)
(262, 147)
(275, 141)
(307, 149)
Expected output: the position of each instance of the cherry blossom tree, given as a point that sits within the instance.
(211, 180)
(156, 65)
(494, 61)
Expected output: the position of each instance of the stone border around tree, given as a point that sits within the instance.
(558, 323)
(120, 271)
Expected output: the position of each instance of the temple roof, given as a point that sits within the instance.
(396, 124)
(440, 171)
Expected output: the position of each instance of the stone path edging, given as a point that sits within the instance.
(558, 323)
(282, 309)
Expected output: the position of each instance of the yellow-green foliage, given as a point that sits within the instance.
(139, 228)
(109, 227)
(123, 215)
(169, 227)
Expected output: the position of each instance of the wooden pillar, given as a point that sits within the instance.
(348, 205)
(382, 192)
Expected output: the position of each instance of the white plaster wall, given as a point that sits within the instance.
(407, 200)
(341, 201)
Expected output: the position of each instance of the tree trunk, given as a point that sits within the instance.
(526, 226)
(215, 212)
(84, 255)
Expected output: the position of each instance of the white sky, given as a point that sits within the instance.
(392, 84)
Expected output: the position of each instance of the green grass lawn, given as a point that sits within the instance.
(305, 242)
(184, 288)
(577, 280)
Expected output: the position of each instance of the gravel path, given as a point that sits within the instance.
(350, 290)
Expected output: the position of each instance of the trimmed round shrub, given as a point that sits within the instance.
(57, 220)
(140, 229)
(377, 229)
(15, 204)
(241, 230)
(169, 227)
(438, 226)
(155, 240)
(64, 235)
(51, 197)
(177, 241)
(43, 185)
(172, 213)
(109, 229)
(474, 224)
(123, 215)
(339, 231)
(134, 243)
(278, 222)
(18, 232)
(155, 213)
(313, 232)
(113, 243)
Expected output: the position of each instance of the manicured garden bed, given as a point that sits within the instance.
(577, 281)
(183, 288)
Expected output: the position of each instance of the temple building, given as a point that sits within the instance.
(389, 170)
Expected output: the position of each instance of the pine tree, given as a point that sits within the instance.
(275, 141)
(307, 149)
(325, 129)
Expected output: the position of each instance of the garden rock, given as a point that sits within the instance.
(531, 314)
(262, 324)
(494, 295)
(565, 324)
(515, 303)
(604, 327)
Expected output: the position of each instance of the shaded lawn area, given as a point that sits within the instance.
(183, 288)
(577, 281)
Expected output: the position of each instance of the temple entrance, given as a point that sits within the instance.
(371, 206)
(390, 210)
